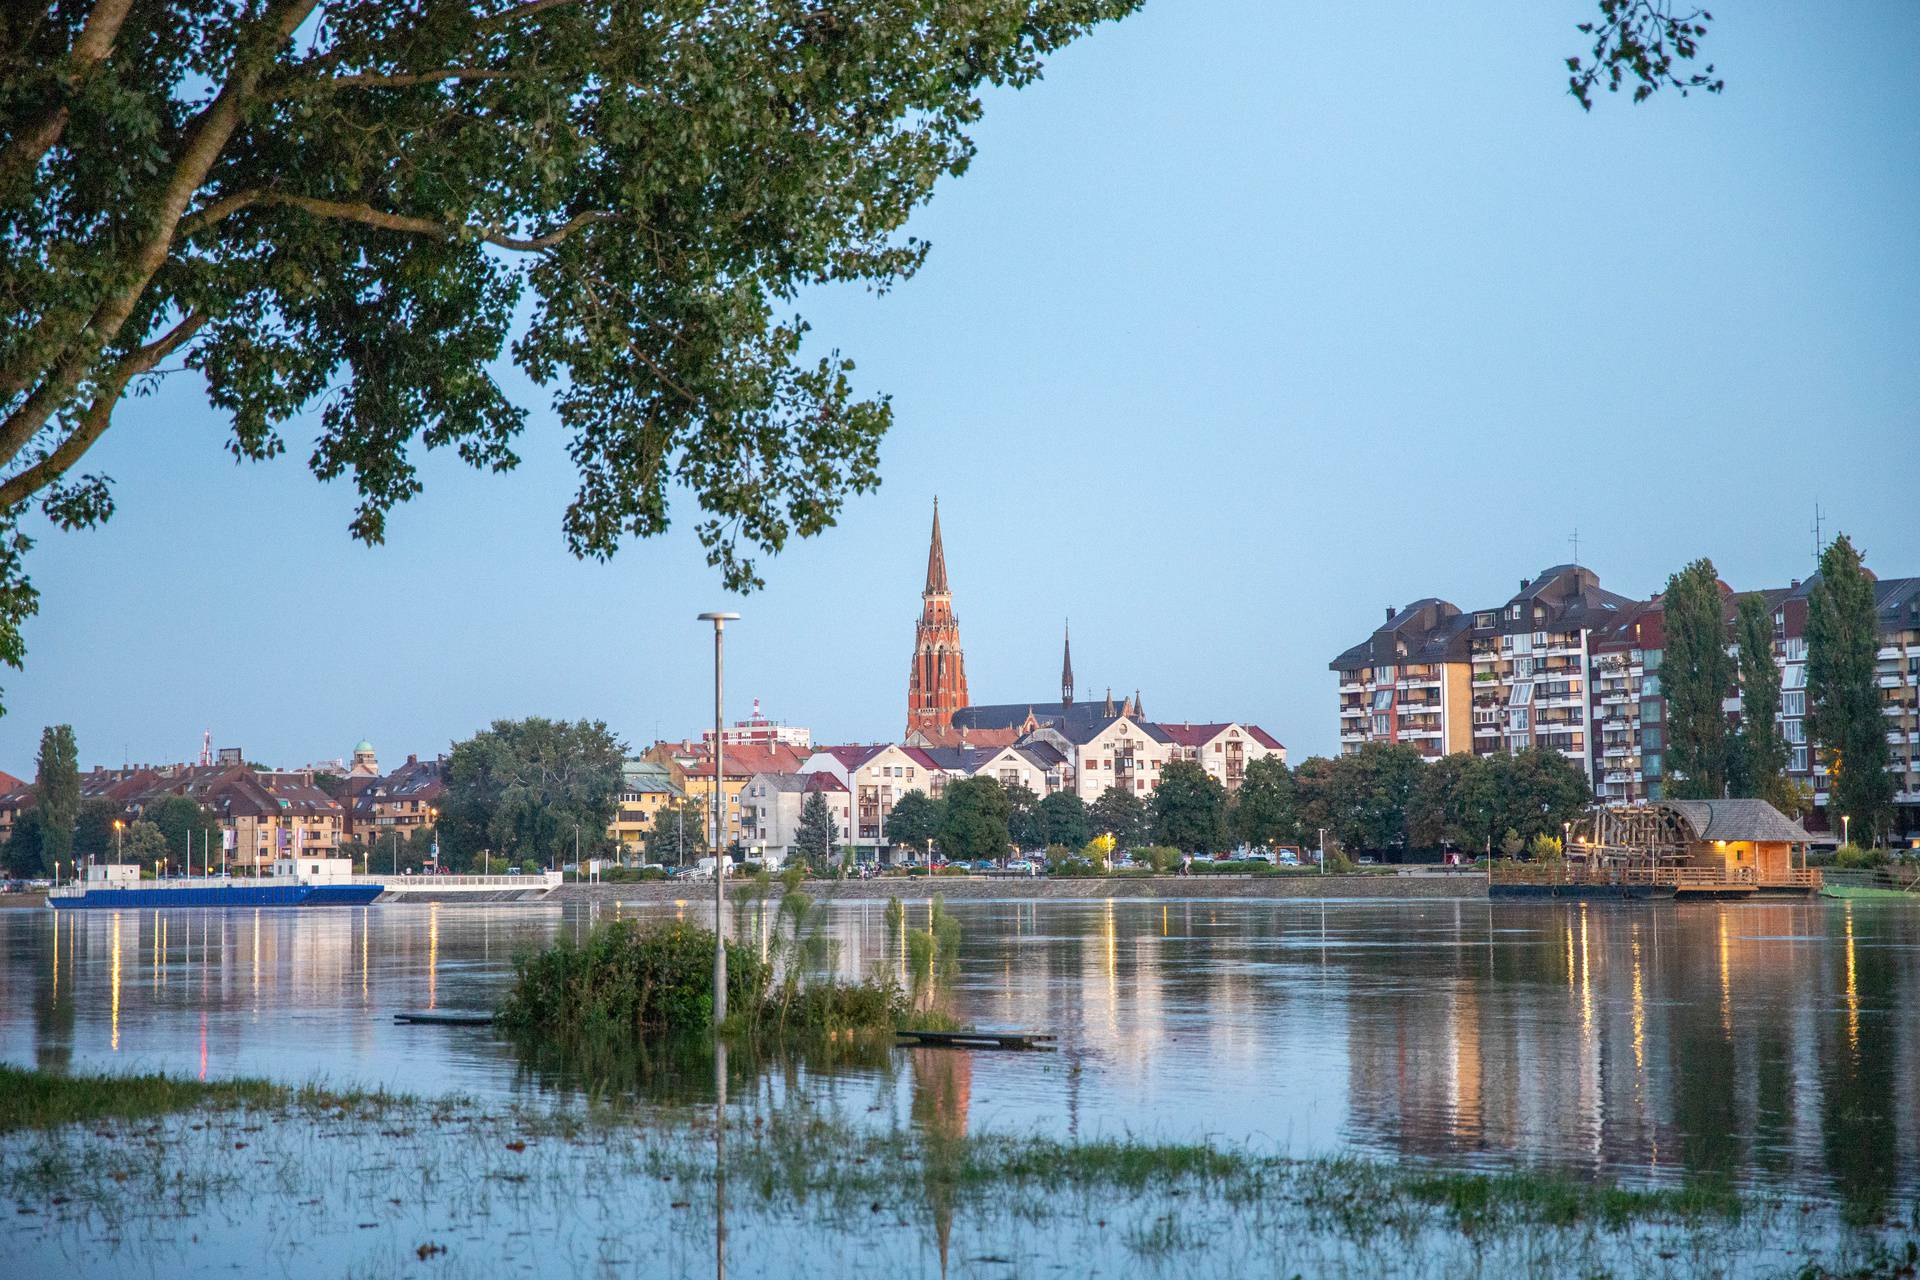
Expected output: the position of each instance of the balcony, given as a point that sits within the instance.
(1352, 686)
(1350, 712)
(1894, 681)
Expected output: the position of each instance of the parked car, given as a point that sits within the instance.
(1259, 855)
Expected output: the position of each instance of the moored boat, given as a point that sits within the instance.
(302, 882)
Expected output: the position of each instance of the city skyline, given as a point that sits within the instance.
(1226, 422)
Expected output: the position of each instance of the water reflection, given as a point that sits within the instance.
(1767, 1040)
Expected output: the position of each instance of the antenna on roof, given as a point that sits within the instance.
(1575, 540)
(1818, 542)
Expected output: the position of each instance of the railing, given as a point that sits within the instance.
(1576, 871)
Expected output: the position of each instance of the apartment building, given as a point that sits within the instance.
(1897, 672)
(1629, 713)
(1410, 681)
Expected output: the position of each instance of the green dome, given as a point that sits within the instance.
(364, 746)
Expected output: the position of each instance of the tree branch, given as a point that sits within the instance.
(89, 51)
(19, 488)
(507, 17)
(205, 140)
(367, 215)
(327, 84)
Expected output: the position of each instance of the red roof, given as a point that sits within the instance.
(8, 782)
(1264, 738)
(823, 781)
(744, 759)
(1192, 735)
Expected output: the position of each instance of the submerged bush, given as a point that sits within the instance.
(625, 981)
(623, 978)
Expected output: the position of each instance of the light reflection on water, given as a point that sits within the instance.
(1773, 1041)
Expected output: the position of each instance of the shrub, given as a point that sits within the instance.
(1338, 863)
(1071, 865)
(1852, 856)
(623, 979)
(1161, 858)
(529, 867)
(1545, 848)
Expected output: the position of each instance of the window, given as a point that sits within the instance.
(1380, 724)
(1650, 686)
(1522, 668)
(1382, 699)
(1796, 649)
(1383, 675)
(1650, 738)
(1794, 730)
(1797, 760)
(1794, 677)
(1521, 696)
(1794, 703)
(1649, 713)
(1518, 719)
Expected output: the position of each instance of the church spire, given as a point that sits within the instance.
(1066, 667)
(936, 559)
(1137, 712)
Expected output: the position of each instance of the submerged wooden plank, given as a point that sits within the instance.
(446, 1017)
(980, 1039)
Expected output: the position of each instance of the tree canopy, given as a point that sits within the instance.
(361, 206)
(974, 825)
(1121, 814)
(1263, 808)
(1063, 820)
(1843, 697)
(1757, 757)
(56, 788)
(1696, 675)
(914, 820)
(522, 787)
(817, 833)
(1189, 809)
(678, 834)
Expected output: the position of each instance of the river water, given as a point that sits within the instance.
(1776, 1042)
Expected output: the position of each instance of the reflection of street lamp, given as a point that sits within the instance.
(719, 621)
(1846, 828)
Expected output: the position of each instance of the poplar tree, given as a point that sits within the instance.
(1843, 698)
(57, 787)
(1696, 674)
(1758, 762)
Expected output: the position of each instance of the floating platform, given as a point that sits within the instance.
(1031, 1040)
(1585, 892)
(446, 1018)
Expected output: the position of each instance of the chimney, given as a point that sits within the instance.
(1796, 584)
(1523, 584)
(1389, 613)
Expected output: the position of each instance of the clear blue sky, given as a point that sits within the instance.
(1250, 319)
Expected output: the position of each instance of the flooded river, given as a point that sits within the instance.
(1777, 1043)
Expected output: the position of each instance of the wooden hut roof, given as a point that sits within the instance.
(1746, 820)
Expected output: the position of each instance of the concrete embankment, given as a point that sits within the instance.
(1450, 885)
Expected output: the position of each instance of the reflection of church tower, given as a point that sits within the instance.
(942, 1096)
(1066, 667)
(937, 686)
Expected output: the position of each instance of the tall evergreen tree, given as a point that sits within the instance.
(1696, 674)
(1758, 762)
(1843, 698)
(57, 785)
(817, 833)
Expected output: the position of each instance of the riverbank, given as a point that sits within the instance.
(21, 900)
(1419, 887)
(340, 1183)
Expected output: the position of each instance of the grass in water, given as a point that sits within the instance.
(45, 1100)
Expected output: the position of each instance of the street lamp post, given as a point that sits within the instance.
(119, 842)
(719, 621)
(1846, 828)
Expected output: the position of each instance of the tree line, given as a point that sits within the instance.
(1382, 799)
(1719, 647)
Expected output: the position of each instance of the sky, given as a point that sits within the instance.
(1248, 320)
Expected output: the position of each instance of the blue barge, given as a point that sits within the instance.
(309, 882)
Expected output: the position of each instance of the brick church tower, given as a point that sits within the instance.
(938, 685)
